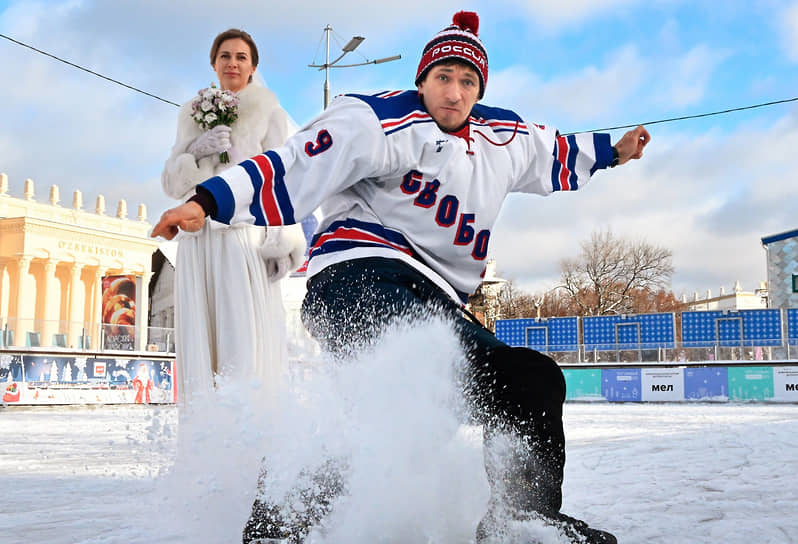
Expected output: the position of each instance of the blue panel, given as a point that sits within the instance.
(562, 333)
(792, 326)
(762, 327)
(620, 384)
(613, 332)
(536, 337)
(731, 328)
(703, 383)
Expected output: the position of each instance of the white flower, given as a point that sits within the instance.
(210, 117)
(206, 105)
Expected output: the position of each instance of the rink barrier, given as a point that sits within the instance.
(717, 381)
(50, 377)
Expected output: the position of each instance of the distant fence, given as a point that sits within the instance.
(717, 382)
(60, 377)
(736, 335)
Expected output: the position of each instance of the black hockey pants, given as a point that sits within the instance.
(516, 393)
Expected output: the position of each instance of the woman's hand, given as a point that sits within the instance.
(211, 141)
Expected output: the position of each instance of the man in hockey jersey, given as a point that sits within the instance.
(410, 184)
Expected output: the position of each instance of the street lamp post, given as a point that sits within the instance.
(348, 48)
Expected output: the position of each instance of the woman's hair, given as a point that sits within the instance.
(232, 34)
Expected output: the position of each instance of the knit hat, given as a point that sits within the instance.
(457, 41)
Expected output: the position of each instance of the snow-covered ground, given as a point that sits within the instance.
(670, 473)
(650, 473)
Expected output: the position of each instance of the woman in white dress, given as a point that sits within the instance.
(229, 316)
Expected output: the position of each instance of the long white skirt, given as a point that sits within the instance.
(229, 318)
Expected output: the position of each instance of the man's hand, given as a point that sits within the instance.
(631, 144)
(189, 217)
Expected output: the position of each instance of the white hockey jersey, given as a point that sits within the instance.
(391, 183)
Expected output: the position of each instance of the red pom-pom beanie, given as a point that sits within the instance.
(457, 41)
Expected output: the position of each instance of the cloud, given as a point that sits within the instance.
(710, 198)
(684, 81)
(789, 19)
(585, 95)
(566, 11)
(707, 190)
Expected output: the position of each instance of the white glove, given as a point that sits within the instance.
(283, 250)
(211, 141)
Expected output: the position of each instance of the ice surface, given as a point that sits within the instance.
(692, 472)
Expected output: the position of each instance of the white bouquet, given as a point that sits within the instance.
(213, 107)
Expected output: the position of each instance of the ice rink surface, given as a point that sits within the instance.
(670, 473)
(137, 474)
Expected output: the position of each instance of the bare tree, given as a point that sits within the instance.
(612, 274)
(514, 302)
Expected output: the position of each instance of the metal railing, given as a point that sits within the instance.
(16, 333)
(678, 353)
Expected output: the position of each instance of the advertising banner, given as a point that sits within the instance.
(119, 312)
(45, 379)
(750, 383)
(582, 384)
(662, 384)
(621, 384)
(706, 383)
(785, 383)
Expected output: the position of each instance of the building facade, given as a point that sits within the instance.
(53, 260)
(738, 299)
(782, 268)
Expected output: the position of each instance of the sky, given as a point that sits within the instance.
(708, 189)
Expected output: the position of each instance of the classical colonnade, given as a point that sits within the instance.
(52, 263)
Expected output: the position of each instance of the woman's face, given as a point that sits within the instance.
(233, 64)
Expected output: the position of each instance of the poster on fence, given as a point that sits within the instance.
(49, 379)
(785, 383)
(119, 312)
(662, 384)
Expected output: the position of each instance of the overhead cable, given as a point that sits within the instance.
(89, 71)
(669, 120)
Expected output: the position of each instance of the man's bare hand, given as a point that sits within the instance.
(631, 144)
(189, 217)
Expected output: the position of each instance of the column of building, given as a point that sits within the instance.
(50, 319)
(75, 304)
(26, 303)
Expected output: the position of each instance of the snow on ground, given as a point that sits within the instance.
(649, 473)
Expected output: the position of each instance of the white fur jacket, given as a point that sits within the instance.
(262, 124)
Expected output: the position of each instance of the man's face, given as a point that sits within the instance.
(450, 91)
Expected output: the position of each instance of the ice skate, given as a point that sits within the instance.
(496, 529)
(303, 509)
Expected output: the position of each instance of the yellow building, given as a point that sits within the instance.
(52, 262)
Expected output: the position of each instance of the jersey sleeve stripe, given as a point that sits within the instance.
(280, 190)
(255, 177)
(560, 162)
(225, 201)
(603, 147)
(268, 177)
(268, 202)
(573, 152)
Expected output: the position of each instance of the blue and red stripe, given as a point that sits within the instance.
(563, 172)
(267, 175)
(351, 233)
